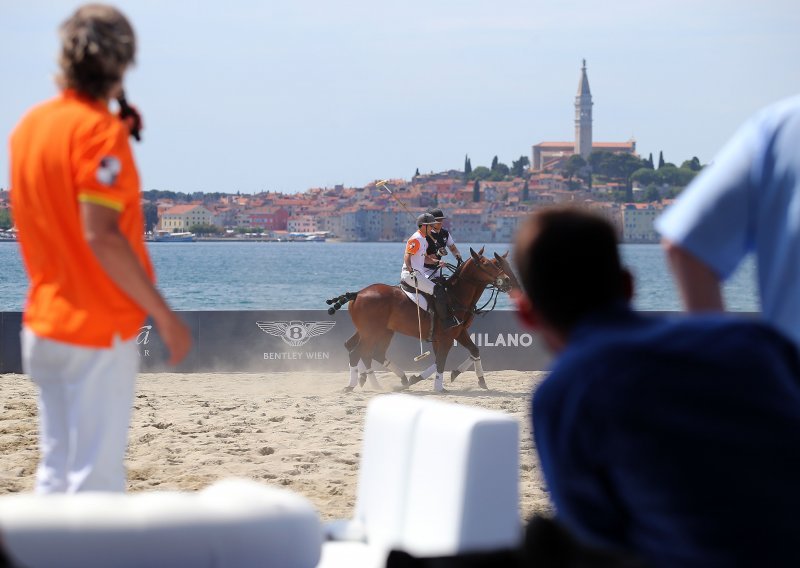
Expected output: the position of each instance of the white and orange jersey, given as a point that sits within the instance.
(416, 246)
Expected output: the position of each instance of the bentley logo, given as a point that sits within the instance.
(295, 333)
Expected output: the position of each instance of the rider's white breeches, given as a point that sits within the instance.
(422, 283)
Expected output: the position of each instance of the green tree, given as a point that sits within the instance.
(645, 176)
(651, 194)
(467, 165)
(150, 211)
(494, 163)
(650, 162)
(481, 173)
(416, 173)
(526, 191)
(660, 159)
(572, 166)
(204, 229)
(6, 222)
(476, 191)
(676, 177)
(693, 164)
(499, 172)
(518, 166)
(618, 167)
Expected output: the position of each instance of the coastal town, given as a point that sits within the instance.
(482, 204)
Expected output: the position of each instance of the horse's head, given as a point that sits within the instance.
(503, 263)
(487, 272)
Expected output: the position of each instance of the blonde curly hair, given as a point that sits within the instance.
(97, 45)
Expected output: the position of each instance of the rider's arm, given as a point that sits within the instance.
(451, 244)
(407, 262)
(455, 252)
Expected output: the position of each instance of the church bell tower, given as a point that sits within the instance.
(583, 116)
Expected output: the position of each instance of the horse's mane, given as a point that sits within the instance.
(453, 278)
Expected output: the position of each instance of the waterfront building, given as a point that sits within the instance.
(637, 223)
(302, 224)
(471, 225)
(397, 224)
(268, 218)
(506, 224)
(548, 155)
(179, 218)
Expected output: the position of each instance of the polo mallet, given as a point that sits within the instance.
(422, 354)
(382, 183)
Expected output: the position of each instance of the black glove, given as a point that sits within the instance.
(459, 261)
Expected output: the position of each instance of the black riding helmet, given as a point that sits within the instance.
(425, 219)
(438, 215)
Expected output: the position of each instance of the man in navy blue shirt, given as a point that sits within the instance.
(675, 439)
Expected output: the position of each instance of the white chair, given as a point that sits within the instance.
(464, 482)
(436, 479)
(233, 523)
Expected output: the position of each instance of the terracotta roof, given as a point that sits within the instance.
(622, 145)
(181, 209)
(570, 145)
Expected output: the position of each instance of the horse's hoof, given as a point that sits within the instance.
(404, 381)
(482, 383)
(348, 389)
(362, 379)
(454, 374)
(414, 379)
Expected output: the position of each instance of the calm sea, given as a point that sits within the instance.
(264, 276)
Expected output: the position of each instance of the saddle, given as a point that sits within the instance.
(425, 301)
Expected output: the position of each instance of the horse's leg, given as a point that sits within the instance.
(479, 372)
(441, 348)
(373, 381)
(426, 374)
(475, 358)
(352, 346)
(379, 355)
(362, 372)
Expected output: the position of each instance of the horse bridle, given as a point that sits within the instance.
(496, 281)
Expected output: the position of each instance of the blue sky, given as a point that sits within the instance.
(250, 96)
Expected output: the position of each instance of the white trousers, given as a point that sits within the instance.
(85, 405)
(423, 284)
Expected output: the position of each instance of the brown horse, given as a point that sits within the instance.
(379, 311)
(465, 341)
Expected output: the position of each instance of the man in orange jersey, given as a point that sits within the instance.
(75, 197)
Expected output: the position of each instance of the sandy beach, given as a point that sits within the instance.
(296, 430)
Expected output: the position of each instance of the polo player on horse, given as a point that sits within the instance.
(439, 240)
(415, 275)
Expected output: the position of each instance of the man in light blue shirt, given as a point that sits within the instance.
(747, 201)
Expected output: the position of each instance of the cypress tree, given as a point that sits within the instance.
(661, 159)
(650, 161)
(467, 165)
(476, 191)
(494, 163)
(526, 194)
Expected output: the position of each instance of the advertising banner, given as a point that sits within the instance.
(301, 340)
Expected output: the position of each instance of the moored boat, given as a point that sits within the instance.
(167, 237)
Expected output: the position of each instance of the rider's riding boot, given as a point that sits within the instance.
(448, 320)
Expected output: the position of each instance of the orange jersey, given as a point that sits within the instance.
(68, 150)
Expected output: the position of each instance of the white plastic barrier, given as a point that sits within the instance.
(233, 523)
(436, 479)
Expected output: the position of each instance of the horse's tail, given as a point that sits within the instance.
(340, 301)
